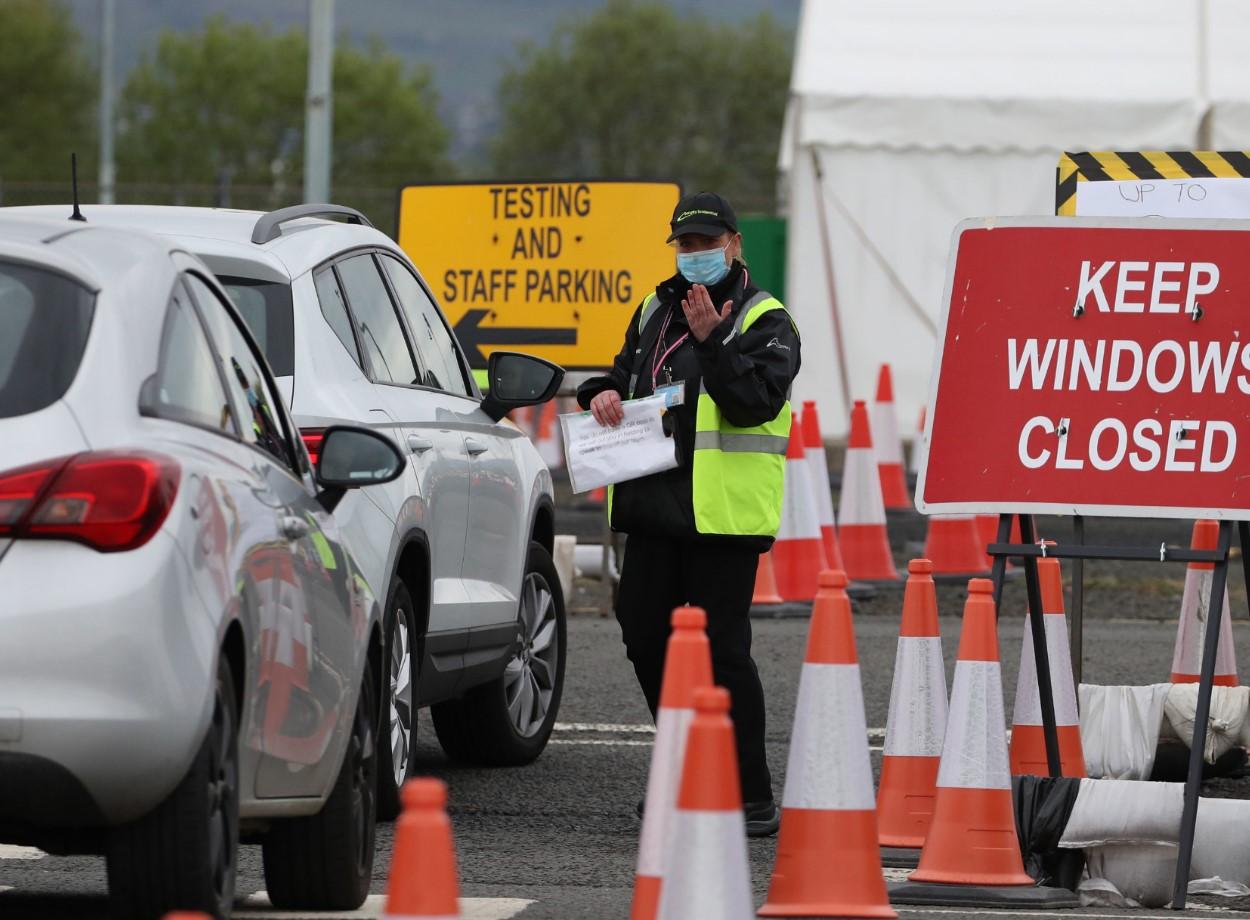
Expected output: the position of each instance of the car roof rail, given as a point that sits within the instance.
(269, 227)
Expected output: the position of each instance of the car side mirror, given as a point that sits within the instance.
(516, 380)
(351, 458)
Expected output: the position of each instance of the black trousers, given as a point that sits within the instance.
(660, 574)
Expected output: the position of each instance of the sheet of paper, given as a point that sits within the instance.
(599, 456)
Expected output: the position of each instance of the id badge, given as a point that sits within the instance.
(674, 394)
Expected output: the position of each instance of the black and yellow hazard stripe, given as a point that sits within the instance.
(1104, 166)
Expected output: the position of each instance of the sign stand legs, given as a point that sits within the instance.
(1193, 783)
(1041, 652)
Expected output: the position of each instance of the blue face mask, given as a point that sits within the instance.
(707, 267)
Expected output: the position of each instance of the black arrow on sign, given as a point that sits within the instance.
(472, 334)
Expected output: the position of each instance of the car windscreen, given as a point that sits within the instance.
(44, 320)
(266, 308)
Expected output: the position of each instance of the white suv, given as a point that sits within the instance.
(460, 545)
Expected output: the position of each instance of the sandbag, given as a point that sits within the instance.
(1225, 723)
(1120, 729)
(1222, 840)
(1128, 875)
(1113, 811)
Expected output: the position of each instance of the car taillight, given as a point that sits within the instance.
(312, 440)
(110, 500)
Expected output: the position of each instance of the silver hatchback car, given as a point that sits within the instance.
(188, 653)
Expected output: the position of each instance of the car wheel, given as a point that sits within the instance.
(181, 856)
(399, 708)
(507, 722)
(325, 861)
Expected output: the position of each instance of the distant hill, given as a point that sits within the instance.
(468, 43)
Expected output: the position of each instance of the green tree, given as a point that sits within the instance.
(230, 99)
(47, 94)
(638, 91)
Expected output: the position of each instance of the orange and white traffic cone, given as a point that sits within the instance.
(766, 594)
(1191, 631)
(814, 450)
(971, 855)
(423, 880)
(798, 553)
(687, 668)
(987, 528)
(886, 441)
(916, 724)
(709, 876)
(546, 439)
(953, 545)
(828, 861)
(861, 513)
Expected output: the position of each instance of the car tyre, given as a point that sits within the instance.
(508, 721)
(325, 861)
(398, 728)
(181, 855)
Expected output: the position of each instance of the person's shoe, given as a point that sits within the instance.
(762, 818)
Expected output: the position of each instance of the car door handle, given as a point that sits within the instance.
(293, 528)
(474, 447)
(419, 445)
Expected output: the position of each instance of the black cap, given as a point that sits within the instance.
(705, 213)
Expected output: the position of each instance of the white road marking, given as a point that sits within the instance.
(11, 852)
(4, 888)
(618, 728)
(602, 742)
(257, 907)
(1045, 914)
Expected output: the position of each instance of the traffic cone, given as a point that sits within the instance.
(546, 439)
(709, 876)
(1192, 629)
(1028, 742)
(861, 513)
(916, 723)
(828, 861)
(766, 594)
(954, 546)
(814, 450)
(423, 880)
(798, 553)
(687, 668)
(987, 527)
(889, 447)
(971, 856)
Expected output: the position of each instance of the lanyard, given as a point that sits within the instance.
(661, 358)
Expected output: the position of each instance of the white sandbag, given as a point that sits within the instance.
(1120, 875)
(1225, 723)
(588, 562)
(1222, 840)
(1116, 811)
(562, 554)
(1218, 887)
(1120, 729)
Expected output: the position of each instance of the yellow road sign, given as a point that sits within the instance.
(555, 268)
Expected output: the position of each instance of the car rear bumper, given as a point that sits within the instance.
(107, 664)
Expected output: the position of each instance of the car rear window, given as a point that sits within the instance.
(266, 308)
(44, 321)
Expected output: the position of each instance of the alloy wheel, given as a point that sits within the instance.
(401, 696)
(529, 678)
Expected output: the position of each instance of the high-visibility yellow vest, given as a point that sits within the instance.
(739, 473)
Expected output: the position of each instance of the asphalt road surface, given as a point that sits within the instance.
(558, 839)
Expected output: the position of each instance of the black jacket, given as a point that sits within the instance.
(749, 376)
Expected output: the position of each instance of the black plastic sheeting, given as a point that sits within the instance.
(1172, 763)
(1043, 805)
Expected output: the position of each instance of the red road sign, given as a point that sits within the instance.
(1097, 367)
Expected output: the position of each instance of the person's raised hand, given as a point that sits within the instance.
(701, 314)
(607, 410)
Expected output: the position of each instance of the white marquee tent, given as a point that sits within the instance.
(907, 116)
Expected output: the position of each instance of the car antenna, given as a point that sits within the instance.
(73, 173)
